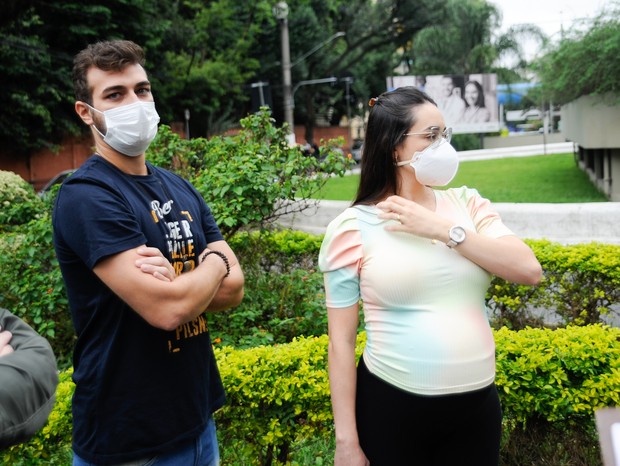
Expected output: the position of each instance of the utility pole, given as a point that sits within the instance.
(280, 11)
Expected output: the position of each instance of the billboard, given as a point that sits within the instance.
(468, 101)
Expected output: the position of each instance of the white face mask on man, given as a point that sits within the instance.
(436, 165)
(130, 129)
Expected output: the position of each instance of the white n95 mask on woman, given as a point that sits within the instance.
(436, 165)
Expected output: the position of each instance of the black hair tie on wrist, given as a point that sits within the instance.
(220, 254)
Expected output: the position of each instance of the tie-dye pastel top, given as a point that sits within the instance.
(426, 321)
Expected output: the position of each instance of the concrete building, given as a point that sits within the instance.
(591, 122)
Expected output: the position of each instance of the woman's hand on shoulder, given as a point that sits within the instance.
(412, 217)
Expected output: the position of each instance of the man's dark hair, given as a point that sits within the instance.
(107, 56)
(391, 116)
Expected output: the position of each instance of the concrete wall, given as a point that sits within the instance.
(41, 166)
(562, 223)
(516, 139)
(592, 123)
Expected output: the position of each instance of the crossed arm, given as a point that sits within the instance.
(145, 280)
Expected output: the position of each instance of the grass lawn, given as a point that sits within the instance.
(553, 178)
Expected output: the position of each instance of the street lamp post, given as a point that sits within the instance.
(348, 80)
(186, 114)
(280, 11)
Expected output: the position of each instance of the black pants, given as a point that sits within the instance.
(398, 428)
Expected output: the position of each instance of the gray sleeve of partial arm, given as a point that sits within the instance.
(28, 380)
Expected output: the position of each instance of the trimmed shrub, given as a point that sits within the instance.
(31, 284)
(247, 178)
(550, 383)
(19, 204)
(284, 295)
(558, 375)
(581, 283)
(276, 395)
(279, 395)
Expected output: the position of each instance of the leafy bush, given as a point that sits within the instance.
(278, 250)
(558, 374)
(550, 383)
(247, 178)
(284, 295)
(581, 283)
(279, 395)
(18, 202)
(276, 308)
(31, 284)
(276, 395)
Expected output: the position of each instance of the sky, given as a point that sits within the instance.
(550, 15)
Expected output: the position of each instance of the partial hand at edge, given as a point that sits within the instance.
(5, 338)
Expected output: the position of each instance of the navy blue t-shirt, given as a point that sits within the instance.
(140, 391)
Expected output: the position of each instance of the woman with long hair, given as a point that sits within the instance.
(420, 260)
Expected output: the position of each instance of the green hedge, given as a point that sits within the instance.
(284, 290)
(278, 395)
(558, 375)
(581, 282)
(284, 295)
(18, 202)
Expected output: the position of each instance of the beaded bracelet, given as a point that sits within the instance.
(222, 255)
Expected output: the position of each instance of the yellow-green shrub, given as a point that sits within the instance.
(581, 282)
(276, 396)
(279, 394)
(558, 375)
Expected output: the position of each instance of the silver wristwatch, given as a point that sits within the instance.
(456, 235)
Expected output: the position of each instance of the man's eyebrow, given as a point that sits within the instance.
(122, 88)
(113, 89)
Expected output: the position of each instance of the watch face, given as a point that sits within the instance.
(457, 234)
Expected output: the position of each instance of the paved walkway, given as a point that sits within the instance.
(563, 223)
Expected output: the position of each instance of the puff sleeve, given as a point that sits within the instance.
(340, 260)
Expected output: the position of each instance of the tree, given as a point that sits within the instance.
(374, 30)
(38, 40)
(205, 62)
(584, 62)
(203, 55)
(465, 42)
